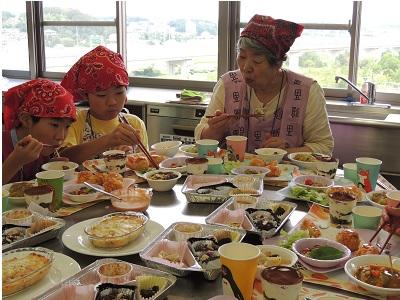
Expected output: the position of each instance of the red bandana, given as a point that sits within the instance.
(276, 35)
(40, 98)
(97, 70)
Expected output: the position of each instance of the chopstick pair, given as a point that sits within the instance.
(141, 146)
(395, 225)
(241, 116)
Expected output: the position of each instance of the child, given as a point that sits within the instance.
(36, 113)
(100, 77)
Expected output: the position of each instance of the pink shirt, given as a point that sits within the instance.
(287, 122)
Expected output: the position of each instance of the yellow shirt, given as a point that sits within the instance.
(75, 134)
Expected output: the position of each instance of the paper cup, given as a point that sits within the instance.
(4, 200)
(366, 217)
(56, 180)
(238, 267)
(237, 145)
(207, 148)
(350, 172)
(368, 171)
(393, 198)
(281, 283)
(214, 165)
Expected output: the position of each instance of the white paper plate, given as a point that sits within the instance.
(76, 239)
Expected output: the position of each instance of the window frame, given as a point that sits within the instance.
(229, 26)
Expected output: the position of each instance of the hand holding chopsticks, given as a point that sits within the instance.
(140, 144)
(394, 225)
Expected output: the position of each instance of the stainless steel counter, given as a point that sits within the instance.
(166, 208)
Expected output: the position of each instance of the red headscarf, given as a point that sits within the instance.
(276, 35)
(97, 70)
(40, 98)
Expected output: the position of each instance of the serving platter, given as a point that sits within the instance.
(76, 239)
(63, 267)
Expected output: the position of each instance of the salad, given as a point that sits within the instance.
(310, 195)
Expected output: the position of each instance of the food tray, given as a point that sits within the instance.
(193, 196)
(169, 234)
(250, 228)
(89, 275)
(39, 237)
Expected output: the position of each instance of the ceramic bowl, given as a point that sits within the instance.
(380, 196)
(310, 165)
(301, 244)
(167, 148)
(68, 167)
(271, 154)
(354, 263)
(160, 184)
(189, 150)
(319, 183)
(254, 171)
(174, 164)
(288, 258)
(81, 193)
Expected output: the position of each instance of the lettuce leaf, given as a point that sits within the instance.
(310, 195)
(291, 238)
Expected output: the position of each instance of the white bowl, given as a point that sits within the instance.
(67, 167)
(169, 163)
(369, 198)
(254, 171)
(83, 197)
(301, 181)
(161, 185)
(365, 260)
(301, 244)
(287, 256)
(271, 154)
(184, 149)
(167, 148)
(303, 164)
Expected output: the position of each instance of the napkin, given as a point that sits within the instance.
(41, 210)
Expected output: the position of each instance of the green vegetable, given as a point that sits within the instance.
(291, 238)
(326, 253)
(311, 195)
(229, 165)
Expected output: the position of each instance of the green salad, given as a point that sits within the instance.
(310, 195)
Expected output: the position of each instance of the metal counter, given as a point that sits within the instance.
(167, 208)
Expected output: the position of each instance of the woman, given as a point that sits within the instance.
(100, 77)
(293, 106)
(37, 112)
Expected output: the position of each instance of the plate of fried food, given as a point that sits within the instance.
(278, 172)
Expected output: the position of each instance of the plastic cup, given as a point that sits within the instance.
(340, 209)
(368, 171)
(238, 266)
(115, 161)
(207, 148)
(4, 200)
(214, 165)
(237, 144)
(366, 217)
(327, 168)
(56, 180)
(393, 198)
(350, 172)
(281, 283)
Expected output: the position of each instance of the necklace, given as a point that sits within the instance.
(277, 104)
(89, 121)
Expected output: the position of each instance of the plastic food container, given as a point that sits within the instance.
(133, 199)
(116, 230)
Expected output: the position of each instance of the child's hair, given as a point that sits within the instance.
(97, 70)
(41, 98)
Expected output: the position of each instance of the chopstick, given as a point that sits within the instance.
(141, 146)
(240, 116)
(394, 227)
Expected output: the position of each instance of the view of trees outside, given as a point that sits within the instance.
(183, 44)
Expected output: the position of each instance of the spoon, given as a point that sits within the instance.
(101, 191)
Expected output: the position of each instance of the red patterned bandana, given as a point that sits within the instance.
(276, 35)
(40, 98)
(97, 70)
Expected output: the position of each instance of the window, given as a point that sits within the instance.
(178, 45)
